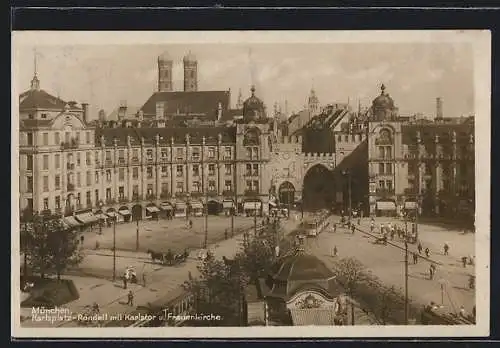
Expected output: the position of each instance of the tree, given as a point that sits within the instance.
(386, 303)
(350, 273)
(48, 245)
(218, 290)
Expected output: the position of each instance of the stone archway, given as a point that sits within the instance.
(319, 188)
(286, 193)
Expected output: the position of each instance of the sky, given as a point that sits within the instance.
(415, 74)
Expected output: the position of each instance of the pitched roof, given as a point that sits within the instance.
(40, 99)
(166, 134)
(199, 102)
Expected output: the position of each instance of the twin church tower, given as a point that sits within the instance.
(165, 64)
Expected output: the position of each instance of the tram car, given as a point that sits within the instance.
(316, 224)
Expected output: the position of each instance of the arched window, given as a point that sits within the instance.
(384, 137)
(251, 137)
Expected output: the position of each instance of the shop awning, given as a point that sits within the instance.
(196, 205)
(180, 205)
(124, 212)
(71, 221)
(388, 205)
(410, 205)
(166, 206)
(152, 209)
(252, 205)
(227, 204)
(87, 218)
(111, 214)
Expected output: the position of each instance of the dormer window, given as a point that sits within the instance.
(44, 116)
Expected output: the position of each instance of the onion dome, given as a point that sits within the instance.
(383, 105)
(190, 57)
(253, 108)
(164, 57)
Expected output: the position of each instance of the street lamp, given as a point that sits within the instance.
(347, 173)
(205, 242)
(100, 220)
(114, 247)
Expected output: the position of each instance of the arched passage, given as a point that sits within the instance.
(319, 188)
(213, 207)
(286, 193)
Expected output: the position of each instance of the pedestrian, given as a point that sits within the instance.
(334, 227)
(415, 258)
(427, 252)
(335, 250)
(359, 221)
(353, 228)
(144, 279)
(419, 247)
(446, 248)
(225, 233)
(82, 239)
(464, 261)
(130, 297)
(431, 272)
(124, 281)
(372, 226)
(463, 313)
(190, 224)
(95, 308)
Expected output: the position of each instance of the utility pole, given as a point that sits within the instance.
(406, 280)
(137, 235)
(114, 248)
(232, 221)
(255, 220)
(205, 241)
(350, 194)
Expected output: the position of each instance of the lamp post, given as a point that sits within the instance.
(114, 248)
(406, 281)
(100, 220)
(232, 220)
(205, 241)
(137, 235)
(347, 173)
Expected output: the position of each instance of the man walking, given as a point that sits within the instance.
(431, 272)
(130, 297)
(335, 250)
(419, 247)
(446, 248)
(415, 258)
(427, 252)
(125, 281)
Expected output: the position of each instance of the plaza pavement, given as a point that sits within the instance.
(387, 262)
(112, 297)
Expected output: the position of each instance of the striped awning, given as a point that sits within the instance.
(166, 206)
(71, 221)
(251, 205)
(124, 212)
(313, 316)
(87, 218)
(410, 205)
(196, 205)
(227, 204)
(111, 214)
(152, 209)
(386, 205)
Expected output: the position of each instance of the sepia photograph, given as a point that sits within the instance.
(250, 184)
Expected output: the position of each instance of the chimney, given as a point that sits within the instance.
(439, 109)
(85, 108)
(219, 111)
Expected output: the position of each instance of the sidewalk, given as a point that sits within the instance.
(112, 297)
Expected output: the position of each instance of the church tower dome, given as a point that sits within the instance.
(253, 108)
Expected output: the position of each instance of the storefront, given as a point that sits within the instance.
(87, 218)
(227, 207)
(152, 211)
(112, 216)
(166, 209)
(386, 208)
(72, 222)
(125, 213)
(251, 208)
(180, 209)
(196, 208)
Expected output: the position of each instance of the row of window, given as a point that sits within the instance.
(180, 187)
(66, 137)
(252, 154)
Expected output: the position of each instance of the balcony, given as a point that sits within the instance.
(165, 195)
(410, 191)
(195, 158)
(108, 163)
(228, 193)
(135, 159)
(123, 199)
(385, 192)
(251, 193)
(212, 192)
(121, 161)
(180, 195)
(72, 144)
(70, 187)
(151, 196)
(196, 194)
(70, 166)
(149, 160)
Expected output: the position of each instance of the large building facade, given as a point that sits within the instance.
(190, 148)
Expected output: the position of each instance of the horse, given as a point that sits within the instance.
(156, 256)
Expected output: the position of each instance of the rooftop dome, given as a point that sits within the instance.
(384, 100)
(253, 108)
(190, 57)
(165, 57)
(303, 267)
